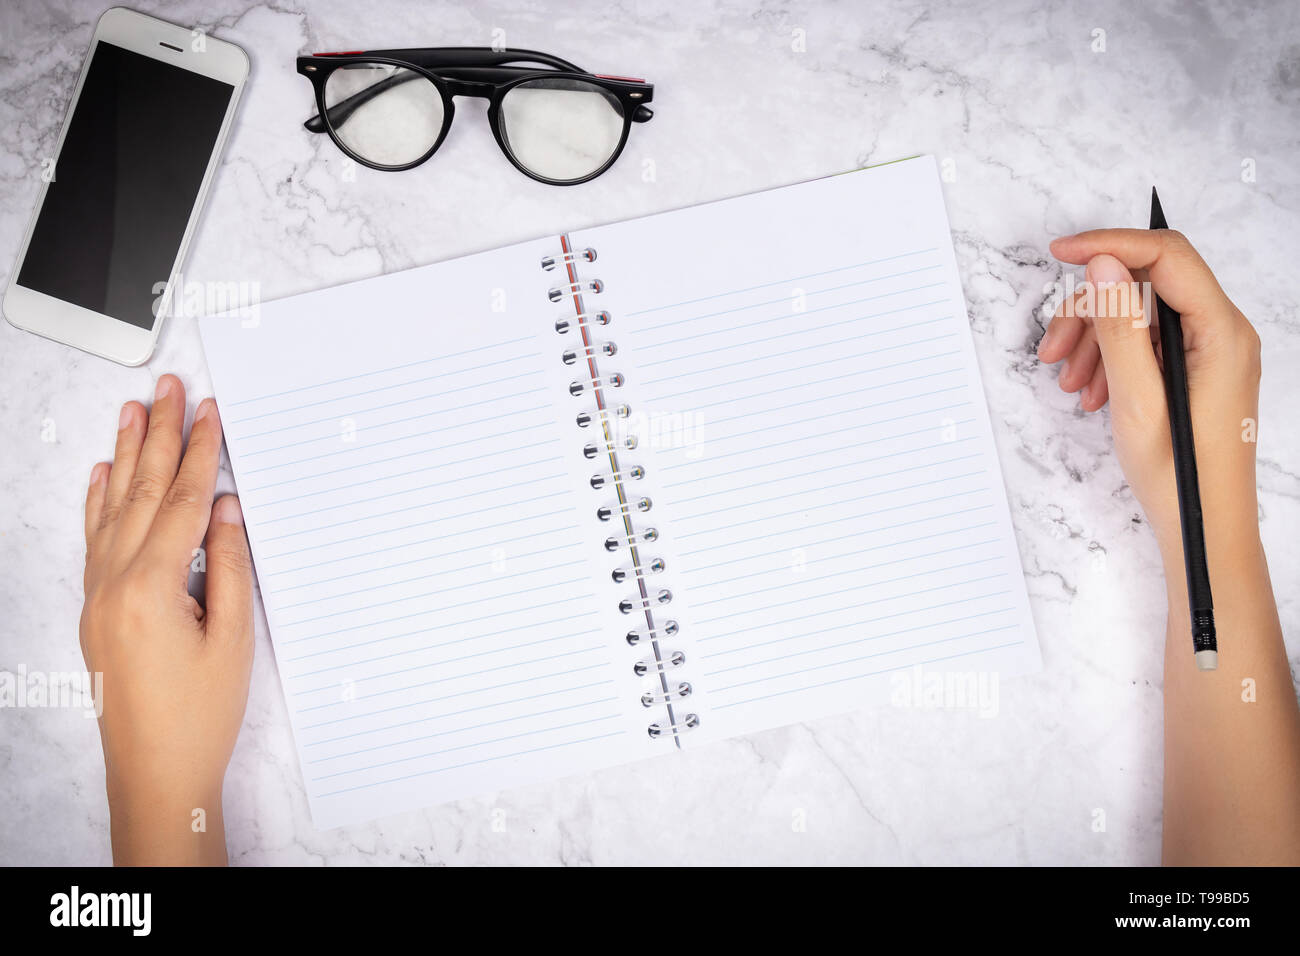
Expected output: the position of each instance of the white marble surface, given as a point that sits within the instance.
(1045, 135)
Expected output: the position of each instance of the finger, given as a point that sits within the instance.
(1097, 391)
(1178, 273)
(1062, 332)
(95, 495)
(1132, 377)
(1143, 278)
(1081, 363)
(183, 515)
(130, 437)
(229, 596)
(156, 468)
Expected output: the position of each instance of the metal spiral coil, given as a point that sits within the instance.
(600, 418)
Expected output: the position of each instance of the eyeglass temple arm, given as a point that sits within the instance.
(453, 56)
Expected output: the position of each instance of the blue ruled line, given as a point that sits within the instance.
(418, 524)
(479, 743)
(334, 436)
(850, 590)
(678, 374)
(470, 763)
(803, 582)
(802, 368)
(823, 470)
(455, 713)
(786, 335)
(382, 388)
(531, 625)
(428, 557)
(402, 474)
(745, 648)
(767, 285)
(831, 413)
(850, 554)
(830, 504)
(403, 401)
(371, 446)
(889, 544)
(803, 386)
(416, 507)
(382, 371)
(332, 596)
(437, 627)
(453, 677)
(841, 519)
(450, 660)
(882, 617)
(784, 316)
(462, 693)
(841, 680)
(406, 617)
(857, 426)
(457, 730)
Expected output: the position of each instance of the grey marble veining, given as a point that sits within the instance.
(1045, 125)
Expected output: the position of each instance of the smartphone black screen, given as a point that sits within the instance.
(125, 184)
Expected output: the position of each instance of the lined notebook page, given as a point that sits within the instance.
(801, 365)
(425, 551)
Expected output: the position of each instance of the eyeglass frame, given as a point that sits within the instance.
(480, 72)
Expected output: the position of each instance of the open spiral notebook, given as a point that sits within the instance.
(606, 494)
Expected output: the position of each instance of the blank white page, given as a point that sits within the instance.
(801, 372)
(425, 543)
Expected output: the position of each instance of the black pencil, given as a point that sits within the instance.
(1199, 600)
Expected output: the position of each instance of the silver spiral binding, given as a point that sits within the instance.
(560, 292)
(600, 417)
(647, 536)
(675, 729)
(591, 449)
(563, 324)
(586, 255)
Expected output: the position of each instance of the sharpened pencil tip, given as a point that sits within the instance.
(1157, 214)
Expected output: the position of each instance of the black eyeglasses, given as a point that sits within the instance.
(391, 109)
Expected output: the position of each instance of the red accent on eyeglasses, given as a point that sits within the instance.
(625, 79)
(341, 53)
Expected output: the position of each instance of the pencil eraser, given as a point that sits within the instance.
(1207, 660)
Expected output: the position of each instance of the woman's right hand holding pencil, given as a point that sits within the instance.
(1232, 736)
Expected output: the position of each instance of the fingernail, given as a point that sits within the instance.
(205, 406)
(164, 386)
(1065, 370)
(98, 474)
(1104, 268)
(228, 511)
(124, 418)
(1046, 340)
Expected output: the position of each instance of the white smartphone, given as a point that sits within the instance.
(139, 145)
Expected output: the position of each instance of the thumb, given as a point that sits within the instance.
(1123, 334)
(229, 599)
